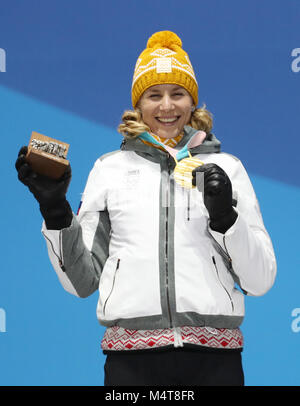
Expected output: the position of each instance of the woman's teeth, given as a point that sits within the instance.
(167, 120)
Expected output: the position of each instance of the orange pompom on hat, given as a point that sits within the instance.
(163, 61)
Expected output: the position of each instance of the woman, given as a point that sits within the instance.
(171, 261)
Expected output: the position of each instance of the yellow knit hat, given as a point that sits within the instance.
(163, 61)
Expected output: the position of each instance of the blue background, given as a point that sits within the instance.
(69, 67)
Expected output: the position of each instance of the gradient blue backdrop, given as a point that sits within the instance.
(68, 75)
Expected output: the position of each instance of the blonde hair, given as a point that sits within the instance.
(132, 123)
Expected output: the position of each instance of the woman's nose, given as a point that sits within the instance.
(166, 103)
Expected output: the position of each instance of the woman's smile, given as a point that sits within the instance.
(168, 121)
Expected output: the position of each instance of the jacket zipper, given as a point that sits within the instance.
(59, 257)
(229, 258)
(166, 250)
(222, 252)
(228, 294)
(112, 288)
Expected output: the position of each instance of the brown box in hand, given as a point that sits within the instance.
(47, 156)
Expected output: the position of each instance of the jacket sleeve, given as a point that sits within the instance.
(78, 253)
(247, 244)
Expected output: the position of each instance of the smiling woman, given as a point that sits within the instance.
(134, 122)
(163, 111)
(166, 270)
(166, 109)
(164, 92)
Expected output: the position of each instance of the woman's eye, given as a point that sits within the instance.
(157, 96)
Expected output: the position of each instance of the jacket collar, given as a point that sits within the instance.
(210, 145)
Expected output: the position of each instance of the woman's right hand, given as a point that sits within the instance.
(50, 193)
(47, 191)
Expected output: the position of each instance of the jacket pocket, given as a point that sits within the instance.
(112, 286)
(222, 284)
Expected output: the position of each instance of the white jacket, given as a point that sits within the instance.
(145, 242)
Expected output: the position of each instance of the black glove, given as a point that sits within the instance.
(217, 196)
(50, 193)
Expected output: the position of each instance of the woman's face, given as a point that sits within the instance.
(166, 109)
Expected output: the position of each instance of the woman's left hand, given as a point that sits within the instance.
(217, 197)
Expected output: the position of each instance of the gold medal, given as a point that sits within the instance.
(183, 171)
(184, 167)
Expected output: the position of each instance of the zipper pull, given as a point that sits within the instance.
(211, 330)
(177, 337)
(62, 267)
(118, 264)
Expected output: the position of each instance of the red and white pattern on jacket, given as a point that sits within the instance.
(120, 339)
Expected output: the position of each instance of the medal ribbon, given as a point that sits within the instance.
(197, 139)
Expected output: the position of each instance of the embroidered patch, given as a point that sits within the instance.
(131, 179)
(163, 65)
(133, 172)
